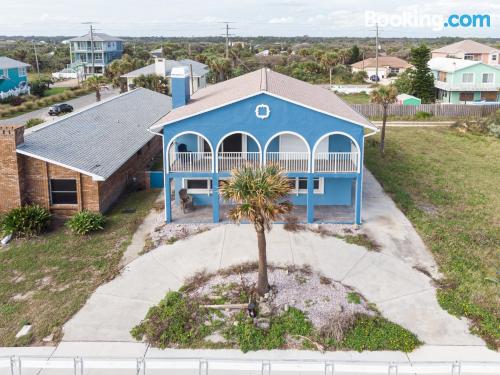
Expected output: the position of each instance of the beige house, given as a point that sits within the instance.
(470, 50)
(386, 66)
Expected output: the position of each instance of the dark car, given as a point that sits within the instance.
(60, 109)
(374, 78)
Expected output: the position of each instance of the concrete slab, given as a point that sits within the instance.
(454, 353)
(101, 349)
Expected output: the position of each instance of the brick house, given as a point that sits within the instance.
(85, 160)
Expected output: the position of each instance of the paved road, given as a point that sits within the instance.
(77, 103)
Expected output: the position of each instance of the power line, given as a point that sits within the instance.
(91, 25)
(227, 28)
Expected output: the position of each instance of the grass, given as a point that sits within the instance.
(48, 279)
(358, 98)
(55, 91)
(447, 183)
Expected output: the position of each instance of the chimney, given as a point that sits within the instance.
(11, 174)
(180, 86)
(160, 66)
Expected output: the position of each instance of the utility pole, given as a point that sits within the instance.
(376, 50)
(227, 35)
(36, 60)
(91, 25)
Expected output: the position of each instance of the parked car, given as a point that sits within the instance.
(374, 78)
(60, 109)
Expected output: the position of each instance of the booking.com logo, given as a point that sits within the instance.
(413, 19)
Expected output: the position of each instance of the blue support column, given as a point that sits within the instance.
(310, 198)
(215, 197)
(168, 199)
(359, 191)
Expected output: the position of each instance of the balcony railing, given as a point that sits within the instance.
(191, 162)
(478, 86)
(234, 160)
(289, 161)
(336, 162)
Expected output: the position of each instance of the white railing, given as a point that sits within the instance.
(336, 162)
(141, 366)
(234, 160)
(289, 161)
(191, 162)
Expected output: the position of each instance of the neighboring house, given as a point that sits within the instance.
(260, 118)
(163, 67)
(106, 49)
(469, 50)
(13, 77)
(464, 81)
(85, 160)
(405, 99)
(386, 65)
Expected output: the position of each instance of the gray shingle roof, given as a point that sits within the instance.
(199, 69)
(466, 46)
(100, 139)
(265, 81)
(98, 37)
(7, 63)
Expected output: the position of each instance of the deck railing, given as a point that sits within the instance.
(289, 161)
(191, 162)
(234, 160)
(336, 162)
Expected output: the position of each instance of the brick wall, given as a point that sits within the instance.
(11, 173)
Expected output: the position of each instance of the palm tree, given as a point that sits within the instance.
(384, 95)
(95, 83)
(152, 82)
(259, 195)
(119, 67)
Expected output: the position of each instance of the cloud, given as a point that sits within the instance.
(282, 20)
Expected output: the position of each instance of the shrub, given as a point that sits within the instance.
(420, 115)
(29, 105)
(25, 221)
(16, 101)
(32, 122)
(85, 222)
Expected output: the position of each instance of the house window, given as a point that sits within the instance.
(493, 57)
(466, 96)
(299, 185)
(469, 56)
(63, 191)
(6, 73)
(487, 78)
(21, 72)
(441, 76)
(489, 96)
(197, 185)
(467, 77)
(395, 70)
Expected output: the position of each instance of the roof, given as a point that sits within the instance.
(392, 61)
(268, 82)
(199, 69)
(466, 46)
(7, 63)
(449, 65)
(406, 96)
(98, 37)
(98, 140)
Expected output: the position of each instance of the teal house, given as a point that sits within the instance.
(257, 119)
(13, 77)
(465, 81)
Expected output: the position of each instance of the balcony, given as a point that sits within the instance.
(289, 161)
(336, 162)
(191, 162)
(449, 86)
(227, 161)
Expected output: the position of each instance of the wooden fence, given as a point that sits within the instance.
(438, 110)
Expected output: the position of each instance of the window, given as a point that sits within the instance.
(493, 57)
(21, 72)
(395, 70)
(466, 96)
(5, 73)
(63, 192)
(441, 76)
(489, 96)
(487, 78)
(299, 185)
(467, 77)
(469, 56)
(197, 185)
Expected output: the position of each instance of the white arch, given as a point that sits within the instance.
(339, 133)
(167, 164)
(231, 133)
(291, 133)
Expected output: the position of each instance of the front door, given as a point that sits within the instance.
(233, 143)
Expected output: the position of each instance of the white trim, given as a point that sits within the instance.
(231, 133)
(340, 133)
(270, 94)
(207, 191)
(468, 83)
(290, 133)
(319, 191)
(94, 176)
(244, 143)
(167, 165)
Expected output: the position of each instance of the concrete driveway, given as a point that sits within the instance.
(387, 278)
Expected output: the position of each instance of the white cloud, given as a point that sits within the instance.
(282, 20)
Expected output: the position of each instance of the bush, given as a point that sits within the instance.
(16, 101)
(85, 222)
(420, 115)
(29, 105)
(25, 221)
(32, 122)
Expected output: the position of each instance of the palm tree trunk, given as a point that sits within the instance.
(382, 134)
(98, 94)
(262, 282)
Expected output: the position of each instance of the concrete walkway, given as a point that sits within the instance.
(403, 294)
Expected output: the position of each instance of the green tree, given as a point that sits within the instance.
(39, 86)
(404, 82)
(119, 67)
(259, 196)
(96, 84)
(421, 76)
(220, 66)
(152, 82)
(384, 95)
(355, 54)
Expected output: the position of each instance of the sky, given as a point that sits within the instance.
(327, 18)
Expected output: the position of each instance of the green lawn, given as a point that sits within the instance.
(46, 280)
(448, 184)
(54, 91)
(360, 98)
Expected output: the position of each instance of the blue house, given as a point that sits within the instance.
(256, 119)
(13, 77)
